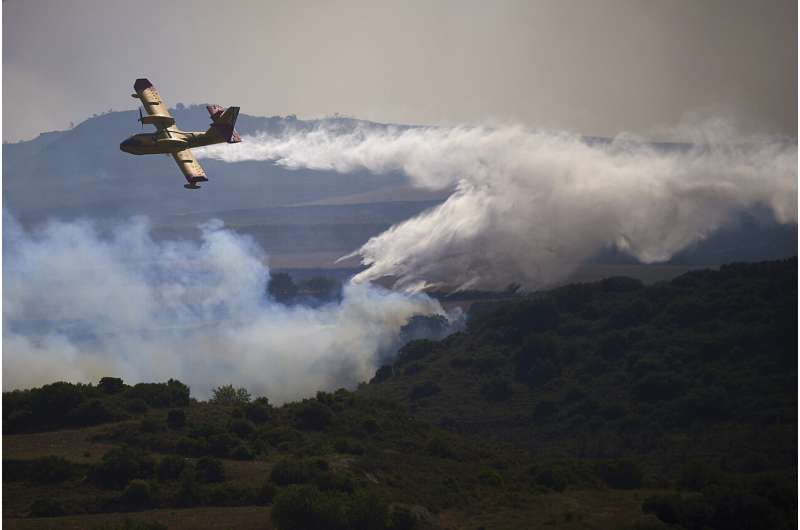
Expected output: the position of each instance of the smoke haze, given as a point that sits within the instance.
(80, 303)
(529, 206)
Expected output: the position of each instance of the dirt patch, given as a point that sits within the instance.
(73, 444)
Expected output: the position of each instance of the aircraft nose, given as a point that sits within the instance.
(125, 145)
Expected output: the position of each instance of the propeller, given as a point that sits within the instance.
(141, 120)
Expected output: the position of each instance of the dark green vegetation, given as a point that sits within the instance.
(668, 406)
(314, 291)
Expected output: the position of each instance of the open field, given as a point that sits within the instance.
(215, 518)
(73, 444)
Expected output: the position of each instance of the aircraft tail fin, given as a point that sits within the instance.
(224, 121)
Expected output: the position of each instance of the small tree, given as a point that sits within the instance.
(311, 414)
(170, 467)
(137, 494)
(497, 389)
(47, 507)
(228, 395)
(176, 418)
(210, 469)
(111, 385)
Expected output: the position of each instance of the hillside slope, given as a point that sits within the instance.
(81, 171)
(602, 405)
(704, 366)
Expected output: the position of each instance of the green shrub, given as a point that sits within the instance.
(173, 393)
(382, 374)
(229, 495)
(47, 507)
(241, 452)
(189, 492)
(422, 390)
(621, 284)
(259, 410)
(220, 445)
(209, 469)
(266, 493)
(613, 345)
(52, 470)
(111, 385)
(650, 524)
(229, 396)
(304, 507)
(170, 467)
(313, 415)
(696, 475)
(401, 518)
(488, 361)
(439, 448)
(286, 472)
(51, 403)
(551, 477)
(346, 445)
(150, 425)
(620, 474)
(370, 425)
(415, 350)
(366, 511)
(136, 406)
(121, 465)
(675, 509)
(241, 428)
(192, 447)
(658, 387)
(45, 470)
(497, 389)
(545, 410)
(331, 481)
(491, 478)
(176, 419)
(91, 412)
(133, 524)
(137, 495)
(18, 420)
(280, 434)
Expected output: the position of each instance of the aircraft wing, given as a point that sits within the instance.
(190, 168)
(156, 110)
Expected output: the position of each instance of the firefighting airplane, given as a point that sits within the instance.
(168, 139)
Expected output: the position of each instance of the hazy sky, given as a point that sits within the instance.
(591, 66)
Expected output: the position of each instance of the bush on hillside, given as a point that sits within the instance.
(121, 465)
(173, 393)
(227, 395)
(137, 495)
(170, 467)
(209, 469)
(176, 419)
(300, 507)
(497, 389)
(313, 415)
(258, 411)
(91, 412)
(47, 507)
(293, 471)
(422, 390)
(620, 474)
(111, 385)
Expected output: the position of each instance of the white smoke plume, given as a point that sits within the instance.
(529, 206)
(79, 304)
